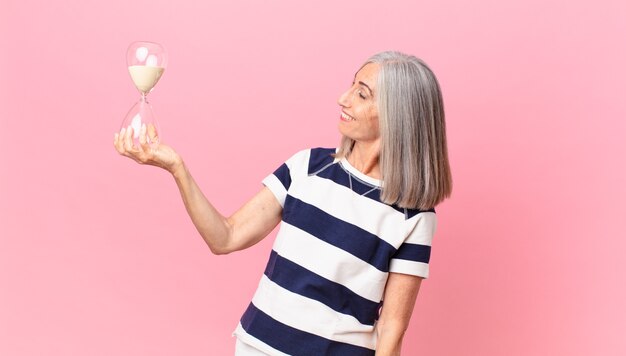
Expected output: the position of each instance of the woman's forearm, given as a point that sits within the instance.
(247, 226)
(212, 226)
(389, 341)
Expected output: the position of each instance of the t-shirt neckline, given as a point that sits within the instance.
(358, 174)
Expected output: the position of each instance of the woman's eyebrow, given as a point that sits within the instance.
(367, 86)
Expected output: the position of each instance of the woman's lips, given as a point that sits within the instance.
(345, 117)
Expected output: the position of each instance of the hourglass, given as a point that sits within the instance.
(146, 62)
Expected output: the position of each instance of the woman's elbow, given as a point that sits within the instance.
(217, 249)
(218, 252)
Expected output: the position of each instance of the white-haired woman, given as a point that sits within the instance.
(356, 222)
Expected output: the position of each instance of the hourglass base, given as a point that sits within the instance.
(141, 117)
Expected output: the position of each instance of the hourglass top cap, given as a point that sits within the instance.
(146, 53)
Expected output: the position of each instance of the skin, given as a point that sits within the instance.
(261, 214)
(359, 102)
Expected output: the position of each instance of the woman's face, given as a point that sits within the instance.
(359, 111)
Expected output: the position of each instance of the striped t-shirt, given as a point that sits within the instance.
(323, 285)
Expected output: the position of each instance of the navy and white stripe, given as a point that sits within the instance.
(294, 341)
(323, 285)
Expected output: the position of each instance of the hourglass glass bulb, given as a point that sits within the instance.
(141, 115)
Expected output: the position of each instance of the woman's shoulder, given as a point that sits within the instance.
(319, 157)
(310, 160)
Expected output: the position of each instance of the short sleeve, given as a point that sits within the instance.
(280, 181)
(413, 256)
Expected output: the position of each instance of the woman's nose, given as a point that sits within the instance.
(344, 99)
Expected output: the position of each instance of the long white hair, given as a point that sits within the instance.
(414, 155)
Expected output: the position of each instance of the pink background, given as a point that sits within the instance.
(98, 257)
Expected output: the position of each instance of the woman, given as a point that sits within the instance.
(356, 222)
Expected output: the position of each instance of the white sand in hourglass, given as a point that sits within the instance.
(145, 77)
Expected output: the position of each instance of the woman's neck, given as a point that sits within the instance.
(364, 157)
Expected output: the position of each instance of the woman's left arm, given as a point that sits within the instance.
(398, 302)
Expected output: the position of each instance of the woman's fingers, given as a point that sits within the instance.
(128, 139)
(144, 146)
(125, 144)
(119, 141)
(152, 134)
(116, 137)
(145, 151)
(142, 134)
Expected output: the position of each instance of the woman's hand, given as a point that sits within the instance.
(159, 155)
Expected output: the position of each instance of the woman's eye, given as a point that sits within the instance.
(361, 95)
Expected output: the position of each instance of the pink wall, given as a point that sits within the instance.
(97, 255)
